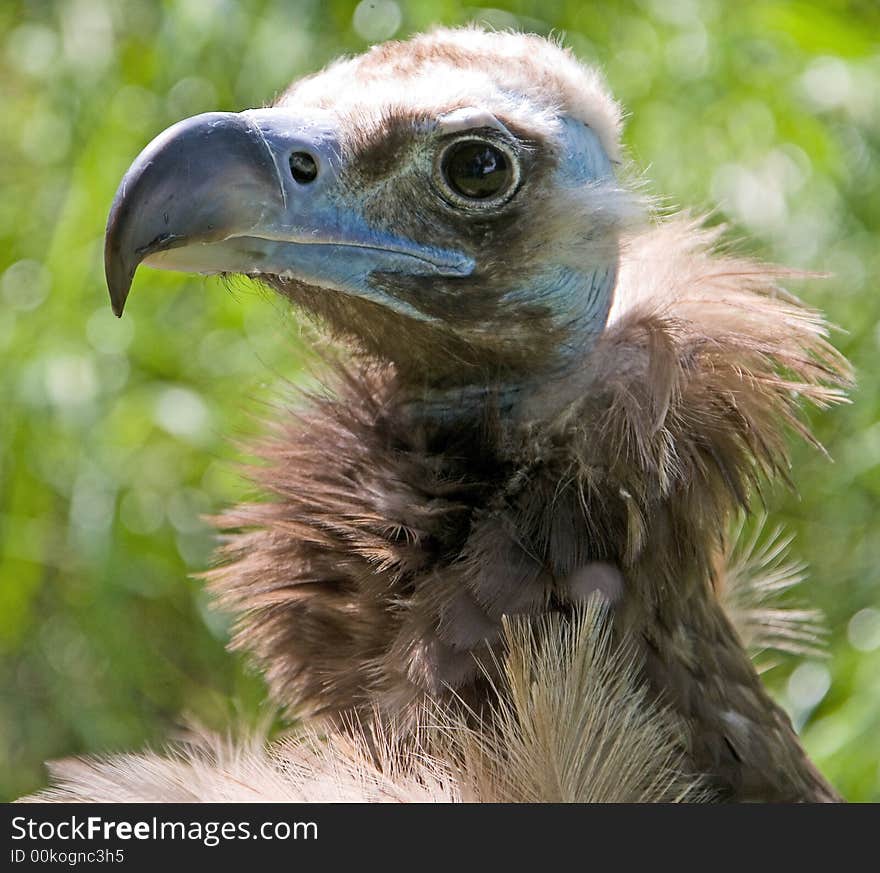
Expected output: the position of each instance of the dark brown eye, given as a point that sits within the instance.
(477, 173)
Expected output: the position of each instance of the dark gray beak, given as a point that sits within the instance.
(201, 180)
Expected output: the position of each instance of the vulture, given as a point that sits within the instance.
(496, 558)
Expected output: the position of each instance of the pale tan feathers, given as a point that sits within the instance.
(755, 583)
(573, 725)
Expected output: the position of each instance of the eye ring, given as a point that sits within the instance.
(476, 173)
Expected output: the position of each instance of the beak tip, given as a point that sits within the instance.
(117, 300)
(118, 269)
(118, 284)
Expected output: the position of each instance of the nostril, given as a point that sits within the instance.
(303, 167)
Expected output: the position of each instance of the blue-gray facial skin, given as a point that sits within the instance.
(218, 193)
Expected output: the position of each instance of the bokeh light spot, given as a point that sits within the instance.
(182, 412)
(863, 630)
(25, 285)
(375, 20)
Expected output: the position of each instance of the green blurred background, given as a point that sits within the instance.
(114, 435)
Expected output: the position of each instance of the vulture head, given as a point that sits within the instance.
(550, 403)
(450, 203)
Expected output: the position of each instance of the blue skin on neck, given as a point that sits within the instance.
(580, 295)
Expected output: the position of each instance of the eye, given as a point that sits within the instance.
(476, 173)
(303, 167)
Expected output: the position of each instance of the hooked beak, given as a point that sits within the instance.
(215, 194)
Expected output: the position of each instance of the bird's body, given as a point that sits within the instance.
(382, 574)
(550, 400)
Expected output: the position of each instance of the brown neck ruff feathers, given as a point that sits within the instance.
(398, 541)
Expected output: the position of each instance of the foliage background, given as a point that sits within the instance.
(114, 435)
